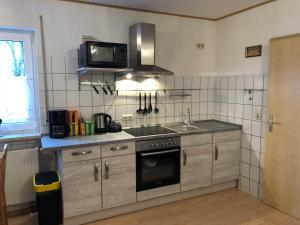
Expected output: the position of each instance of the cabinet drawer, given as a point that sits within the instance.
(227, 136)
(79, 154)
(196, 139)
(124, 148)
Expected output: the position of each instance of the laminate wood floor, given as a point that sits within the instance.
(230, 207)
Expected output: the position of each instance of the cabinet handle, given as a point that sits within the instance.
(216, 152)
(118, 148)
(184, 158)
(106, 170)
(96, 171)
(81, 153)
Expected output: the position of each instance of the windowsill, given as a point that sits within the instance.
(19, 137)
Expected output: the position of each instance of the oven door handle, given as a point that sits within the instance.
(160, 153)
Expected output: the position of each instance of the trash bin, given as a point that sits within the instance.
(47, 188)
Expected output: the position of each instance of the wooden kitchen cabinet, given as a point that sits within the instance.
(81, 183)
(118, 181)
(226, 161)
(196, 167)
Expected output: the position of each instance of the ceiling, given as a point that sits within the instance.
(210, 9)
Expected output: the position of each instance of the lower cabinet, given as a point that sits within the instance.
(91, 183)
(226, 157)
(118, 181)
(81, 187)
(196, 164)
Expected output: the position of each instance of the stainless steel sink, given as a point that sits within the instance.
(209, 124)
(183, 128)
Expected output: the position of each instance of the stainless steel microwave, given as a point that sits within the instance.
(102, 54)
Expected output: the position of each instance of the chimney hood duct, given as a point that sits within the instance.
(142, 51)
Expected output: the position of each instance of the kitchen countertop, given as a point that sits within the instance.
(77, 141)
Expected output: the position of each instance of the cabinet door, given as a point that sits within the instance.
(196, 166)
(226, 159)
(81, 187)
(118, 181)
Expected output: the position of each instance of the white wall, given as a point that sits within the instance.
(65, 23)
(253, 27)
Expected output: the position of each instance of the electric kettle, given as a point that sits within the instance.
(102, 122)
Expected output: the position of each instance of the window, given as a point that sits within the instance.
(18, 109)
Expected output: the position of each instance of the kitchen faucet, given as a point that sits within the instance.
(188, 121)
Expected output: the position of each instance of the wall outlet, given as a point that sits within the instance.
(127, 117)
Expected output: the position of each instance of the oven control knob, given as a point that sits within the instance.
(163, 144)
(156, 145)
(169, 143)
(151, 146)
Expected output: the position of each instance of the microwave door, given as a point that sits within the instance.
(102, 54)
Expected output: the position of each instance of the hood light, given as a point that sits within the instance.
(129, 76)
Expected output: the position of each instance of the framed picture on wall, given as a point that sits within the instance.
(253, 51)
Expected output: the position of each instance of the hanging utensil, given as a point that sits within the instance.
(95, 89)
(140, 111)
(102, 87)
(111, 92)
(156, 110)
(150, 104)
(145, 111)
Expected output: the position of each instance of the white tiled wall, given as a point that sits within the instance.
(234, 103)
(63, 92)
(212, 97)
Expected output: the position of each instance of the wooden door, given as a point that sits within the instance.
(282, 157)
(226, 161)
(118, 181)
(81, 187)
(196, 166)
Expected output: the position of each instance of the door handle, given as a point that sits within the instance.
(106, 164)
(96, 171)
(118, 148)
(216, 152)
(82, 153)
(184, 158)
(271, 122)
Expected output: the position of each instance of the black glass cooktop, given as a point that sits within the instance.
(146, 131)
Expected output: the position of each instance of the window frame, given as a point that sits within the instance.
(30, 66)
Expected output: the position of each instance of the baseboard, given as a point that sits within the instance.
(21, 209)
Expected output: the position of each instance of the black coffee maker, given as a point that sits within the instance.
(58, 125)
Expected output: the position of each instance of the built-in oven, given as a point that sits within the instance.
(157, 163)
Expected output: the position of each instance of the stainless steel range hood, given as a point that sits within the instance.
(142, 51)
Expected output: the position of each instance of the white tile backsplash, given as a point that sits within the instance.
(85, 98)
(231, 96)
(59, 99)
(254, 173)
(246, 156)
(59, 82)
(250, 111)
(73, 99)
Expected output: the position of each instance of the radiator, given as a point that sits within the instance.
(21, 165)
